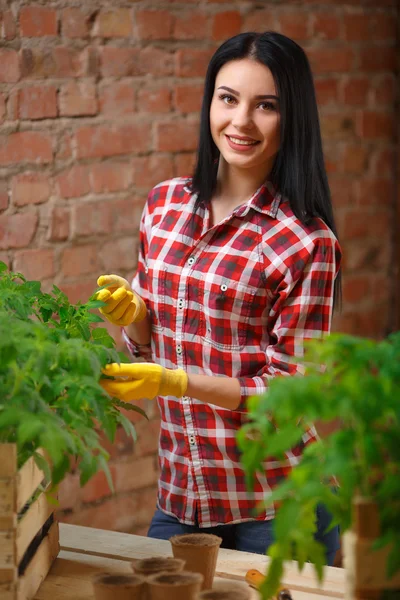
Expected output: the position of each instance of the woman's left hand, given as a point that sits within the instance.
(134, 381)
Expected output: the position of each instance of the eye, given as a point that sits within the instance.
(227, 99)
(267, 106)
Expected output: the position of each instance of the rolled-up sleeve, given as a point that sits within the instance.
(302, 311)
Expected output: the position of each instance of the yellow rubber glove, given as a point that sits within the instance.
(143, 380)
(123, 306)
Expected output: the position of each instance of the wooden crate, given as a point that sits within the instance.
(366, 571)
(29, 540)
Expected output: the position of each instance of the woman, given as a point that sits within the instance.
(236, 270)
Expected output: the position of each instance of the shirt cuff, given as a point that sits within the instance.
(137, 350)
(250, 386)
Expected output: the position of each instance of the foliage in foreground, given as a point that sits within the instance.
(51, 358)
(360, 385)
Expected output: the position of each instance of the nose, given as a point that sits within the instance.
(242, 118)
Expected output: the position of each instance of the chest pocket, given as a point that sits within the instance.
(226, 313)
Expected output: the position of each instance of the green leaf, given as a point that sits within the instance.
(101, 336)
(130, 406)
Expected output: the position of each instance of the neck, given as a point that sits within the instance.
(235, 186)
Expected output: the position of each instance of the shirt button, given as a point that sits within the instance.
(179, 349)
(185, 398)
(191, 260)
(180, 303)
(224, 287)
(192, 440)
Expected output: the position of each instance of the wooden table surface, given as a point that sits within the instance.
(86, 551)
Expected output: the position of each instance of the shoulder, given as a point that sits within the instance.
(296, 244)
(167, 191)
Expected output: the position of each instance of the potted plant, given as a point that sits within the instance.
(52, 408)
(359, 384)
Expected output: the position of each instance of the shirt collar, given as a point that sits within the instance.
(265, 200)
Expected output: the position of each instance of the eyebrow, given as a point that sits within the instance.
(262, 97)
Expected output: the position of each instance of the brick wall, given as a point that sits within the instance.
(100, 100)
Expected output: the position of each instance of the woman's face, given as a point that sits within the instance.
(244, 116)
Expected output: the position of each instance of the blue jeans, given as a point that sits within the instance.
(250, 536)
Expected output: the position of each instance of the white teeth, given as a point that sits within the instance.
(241, 142)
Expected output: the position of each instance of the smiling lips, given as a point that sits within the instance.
(241, 143)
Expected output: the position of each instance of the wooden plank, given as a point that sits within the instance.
(7, 554)
(125, 546)
(366, 568)
(7, 503)
(40, 565)
(71, 573)
(28, 480)
(31, 522)
(8, 460)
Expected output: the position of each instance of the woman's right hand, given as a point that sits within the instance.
(122, 305)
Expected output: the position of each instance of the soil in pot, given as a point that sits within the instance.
(112, 586)
(227, 591)
(200, 553)
(174, 586)
(157, 564)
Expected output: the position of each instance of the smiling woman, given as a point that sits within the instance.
(237, 267)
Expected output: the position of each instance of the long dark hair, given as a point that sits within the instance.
(299, 171)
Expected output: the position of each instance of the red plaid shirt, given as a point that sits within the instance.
(237, 299)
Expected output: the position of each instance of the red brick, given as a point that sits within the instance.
(383, 162)
(383, 27)
(294, 25)
(375, 191)
(8, 26)
(134, 474)
(126, 214)
(74, 182)
(355, 90)
(147, 442)
(119, 62)
(64, 149)
(355, 288)
(188, 98)
(378, 58)
(156, 62)
(375, 125)
(341, 191)
(152, 169)
(30, 188)
(91, 218)
(78, 99)
(118, 98)
(96, 488)
(115, 23)
(385, 90)
(260, 20)
(122, 444)
(154, 24)
(177, 136)
(37, 102)
(80, 260)
(17, 231)
(26, 146)
(59, 62)
(337, 125)
(184, 164)
(191, 26)
(36, 264)
(335, 60)
(80, 291)
(5, 258)
(74, 23)
(117, 513)
(325, 26)
(226, 24)
(354, 159)
(4, 199)
(58, 225)
(37, 21)
(110, 177)
(192, 63)
(2, 107)
(326, 90)
(156, 100)
(9, 66)
(68, 493)
(118, 255)
(101, 141)
(356, 27)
